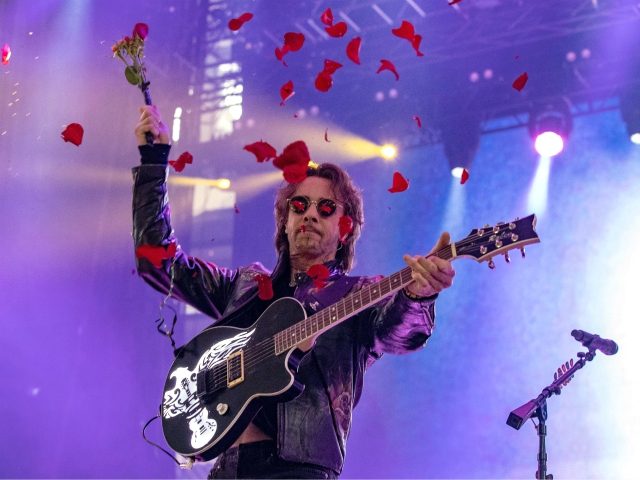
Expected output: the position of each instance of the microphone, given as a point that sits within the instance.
(594, 342)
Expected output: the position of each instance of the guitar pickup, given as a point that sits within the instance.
(235, 368)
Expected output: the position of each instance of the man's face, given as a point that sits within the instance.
(310, 234)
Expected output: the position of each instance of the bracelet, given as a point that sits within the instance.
(413, 296)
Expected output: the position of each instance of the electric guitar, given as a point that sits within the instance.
(222, 377)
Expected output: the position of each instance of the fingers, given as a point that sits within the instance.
(442, 242)
(430, 274)
(151, 121)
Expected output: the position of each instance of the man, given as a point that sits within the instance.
(305, 437)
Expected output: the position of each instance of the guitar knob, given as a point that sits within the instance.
(492, 265)
(506, 257)
(222, 408)
(522, 252)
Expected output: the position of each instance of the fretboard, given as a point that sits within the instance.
(347, 307)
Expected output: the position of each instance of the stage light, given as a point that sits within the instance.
(630, 110)
(175, 130)
(460, 142)
(550, 125)
(388, 151)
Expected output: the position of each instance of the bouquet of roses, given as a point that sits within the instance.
(131, 51)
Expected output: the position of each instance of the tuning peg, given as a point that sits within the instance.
(522, 252)
(492, 265)
(506, 257)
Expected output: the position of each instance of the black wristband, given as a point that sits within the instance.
(156, 154)
(417, 298)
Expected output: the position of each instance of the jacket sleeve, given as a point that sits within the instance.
(400, 324)
(201, 284)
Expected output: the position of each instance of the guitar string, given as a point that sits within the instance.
(262, 350)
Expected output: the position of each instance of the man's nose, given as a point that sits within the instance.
(310, 217)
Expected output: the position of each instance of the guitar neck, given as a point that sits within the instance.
(352, 304)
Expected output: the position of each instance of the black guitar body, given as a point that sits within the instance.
(222, 377)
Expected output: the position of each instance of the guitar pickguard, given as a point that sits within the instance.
(182, 399)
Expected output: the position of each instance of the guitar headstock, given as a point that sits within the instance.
(483, 244)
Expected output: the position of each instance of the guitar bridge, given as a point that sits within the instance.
(235, 368)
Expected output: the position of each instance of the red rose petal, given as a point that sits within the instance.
(319, 273)
(286, 92)
(406, 31)
(345, 225)
(294, 162)
(73, 133)
(387, 65)
(465, 176)
(236, 23)
(281, 52)
(156, 254)
(520, 82)
(141, 30)
(262, 150)
(294, 41)
(265, 287)
(323, 82)
(183, 159)
(418, 121)
(353, 50)
(6, 54)
(327, 17)
(326, 135)
(400, 184)
(415, 43)
(336, 31)
(453, 2)
(330, 66)
(295, 173)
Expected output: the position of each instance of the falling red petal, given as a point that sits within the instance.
(141, 30)
(235, 208)
(353, 50)
(453, 2)
(262, 150)
(336, 31)
(400, 184)
(415, 43)
(319, 273)
(330, 66)
(345, 225)
(520, 82)
(326, 135)
(324, 81)
(465, 176)
(294, 162)
(418, 121)
(294, 41)
(156, 254)
(387, 65)
(183, 159)
(281, 52)
(406, 31)
(73, 133)
(6, 53)
(327, 17)
(265, 287)
(286, 92)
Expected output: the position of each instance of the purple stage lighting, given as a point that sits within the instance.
(549, 126)
(549, 144)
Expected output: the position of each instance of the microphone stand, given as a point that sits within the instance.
(538, 408)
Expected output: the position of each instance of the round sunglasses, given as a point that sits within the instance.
(300, 204)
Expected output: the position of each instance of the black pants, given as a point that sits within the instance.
(259, 460)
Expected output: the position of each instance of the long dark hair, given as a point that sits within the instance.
(345, 192)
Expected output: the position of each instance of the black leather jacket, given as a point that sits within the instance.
(314, 427)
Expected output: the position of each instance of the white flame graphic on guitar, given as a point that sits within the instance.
(183, 398)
